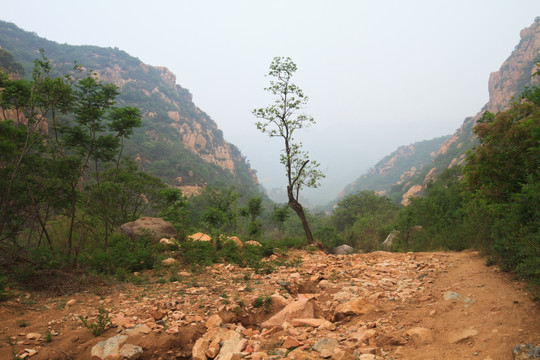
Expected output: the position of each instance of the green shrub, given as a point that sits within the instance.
(200, 253)
(231, 253)
(4, 285)
(265, 301)
(102, 322)
(124, 255)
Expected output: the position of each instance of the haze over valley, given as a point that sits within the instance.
(378, 75)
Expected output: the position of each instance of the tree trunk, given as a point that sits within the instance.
(297, 207)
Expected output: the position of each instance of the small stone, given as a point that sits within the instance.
(33, 336)
(31, 352)
(168, 261)
(461, 335)
(352, 308)
(342, 355)
(326, 344)
(214, 321)
(450, 295)
(71, 302)
(525, 352)
(308, 322)
(366, 357)
(327, 325)
(290, 342)
(213, 349)
(130, 351)
(157, 314)
(231, 356)
(420, 335)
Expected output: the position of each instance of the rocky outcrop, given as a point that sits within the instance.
(515, 73)
(157, 228)
(402, 174)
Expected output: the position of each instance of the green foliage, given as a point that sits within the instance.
(508, 153)
(364, 219)
(262, 300)
(174, 209)
(198, 253)
(4, 285)
(102, 322)
(434, 221)
(491, 204)
(123, 256)
(329, 237)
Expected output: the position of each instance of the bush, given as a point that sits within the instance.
(4, 293)
(200, 253)
(102, 322)
(123, 255)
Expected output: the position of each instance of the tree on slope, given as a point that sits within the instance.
(282, 119)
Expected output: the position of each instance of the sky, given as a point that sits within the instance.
(379, 74)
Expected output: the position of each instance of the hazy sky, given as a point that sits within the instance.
(379, 74)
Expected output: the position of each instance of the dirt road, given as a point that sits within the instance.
(366, 306)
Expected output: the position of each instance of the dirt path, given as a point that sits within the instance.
(421, 306)
(486, 313)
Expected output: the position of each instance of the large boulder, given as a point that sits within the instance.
(157, 228)
(343, 250)
(390, 239)
(299, 309)
(199, 237)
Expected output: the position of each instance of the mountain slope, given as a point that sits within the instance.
(513, 76)
(177, 142)
(397, 168)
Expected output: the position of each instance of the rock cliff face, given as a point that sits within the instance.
(397, 169)
(178, 141)
(513, 76)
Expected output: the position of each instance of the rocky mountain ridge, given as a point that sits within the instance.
(512, 77)
(178, 141)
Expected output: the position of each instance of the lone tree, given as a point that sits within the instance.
(282, 119)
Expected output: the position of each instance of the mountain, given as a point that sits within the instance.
(177, 142)
(406, 171)
(397, 168)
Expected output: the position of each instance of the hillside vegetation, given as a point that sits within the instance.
(176, 141)
(67, 183)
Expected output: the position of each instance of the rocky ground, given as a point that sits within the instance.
(363, 306)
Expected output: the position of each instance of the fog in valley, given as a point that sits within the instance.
(379, 74)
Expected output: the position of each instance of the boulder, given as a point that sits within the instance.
(199, 237)
(165, 242)
(253, 243)
(300, 309)
(157, 228)
(325, 344)
(232, 239)
(115, 347)
(389, 241)
(352, 308)
(343, 250)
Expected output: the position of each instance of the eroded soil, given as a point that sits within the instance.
(421, 306)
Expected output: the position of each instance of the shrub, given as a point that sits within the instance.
(101, 323)
(4, 292)
(265, 301)
(200, 253)
(123, 255)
